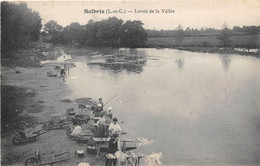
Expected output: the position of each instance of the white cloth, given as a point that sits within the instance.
(121, 158)
(83, 164)
(101, 121)
(77, 131)
(153, 159)
(114, 128)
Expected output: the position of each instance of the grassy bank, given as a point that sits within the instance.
(29, 97)
(18, 97)
(208, 44)
(27, 57)
(15, 100)
(241, 41)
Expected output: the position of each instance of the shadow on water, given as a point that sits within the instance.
(225, 61)
(179, 63)
(130, 60)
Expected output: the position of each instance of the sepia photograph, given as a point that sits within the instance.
(130, 83)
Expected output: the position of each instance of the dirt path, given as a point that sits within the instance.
(39, 96)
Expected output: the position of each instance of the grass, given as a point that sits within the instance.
(208, 41)
(13, 102)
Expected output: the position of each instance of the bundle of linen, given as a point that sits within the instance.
(83, 164)
(153, 159)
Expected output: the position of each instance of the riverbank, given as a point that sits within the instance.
(208, 44)
(36, 96)
(29, 97)
(218, 50)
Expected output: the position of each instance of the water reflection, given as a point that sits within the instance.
(131, 60)
(179, 63)
(225, 61)
(203, 116)
(59, 56)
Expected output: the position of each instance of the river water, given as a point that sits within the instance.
(198, 108)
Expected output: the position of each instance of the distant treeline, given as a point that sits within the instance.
(191, 32)
(20, 26)
(111, 32)
(246, 37)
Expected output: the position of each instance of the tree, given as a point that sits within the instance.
(187, 31)
(132, 34)
(20, 25)
(54, 30)
(74, 33)
(91, 29)
(225, 35)
(108, 33)
(179, 34)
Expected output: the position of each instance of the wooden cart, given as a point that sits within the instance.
(23, 137)
(56, 121)
(37, 159)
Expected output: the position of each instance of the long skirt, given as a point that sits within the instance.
(100, 131)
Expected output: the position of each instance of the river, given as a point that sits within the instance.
(198, 108)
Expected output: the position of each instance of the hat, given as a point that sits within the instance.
(99, 105)
(109, 108)
(115, 119)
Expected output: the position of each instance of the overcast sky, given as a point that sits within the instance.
(188, 13)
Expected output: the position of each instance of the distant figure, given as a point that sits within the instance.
(98, 111)
(101, 102)
(114, 128)
(63, 70)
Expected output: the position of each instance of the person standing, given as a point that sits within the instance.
(63, 70)
(101, 129)
(112, 149)
(108, 115)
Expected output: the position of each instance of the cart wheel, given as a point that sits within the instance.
(47, 125)
(17, 139)
(68, 131)
(31, 161)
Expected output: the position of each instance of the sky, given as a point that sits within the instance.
(188, 13)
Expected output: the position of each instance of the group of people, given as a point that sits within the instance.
(113, 130)
(106, 125)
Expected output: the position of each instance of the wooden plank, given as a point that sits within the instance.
(125, 140)
(101, 139)
(95, 124)
(55, 161)
(59, 154)
(128, 148)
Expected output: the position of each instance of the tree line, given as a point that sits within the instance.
(21, 26)
(191, 32)
(111, 32)
(223, 35)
